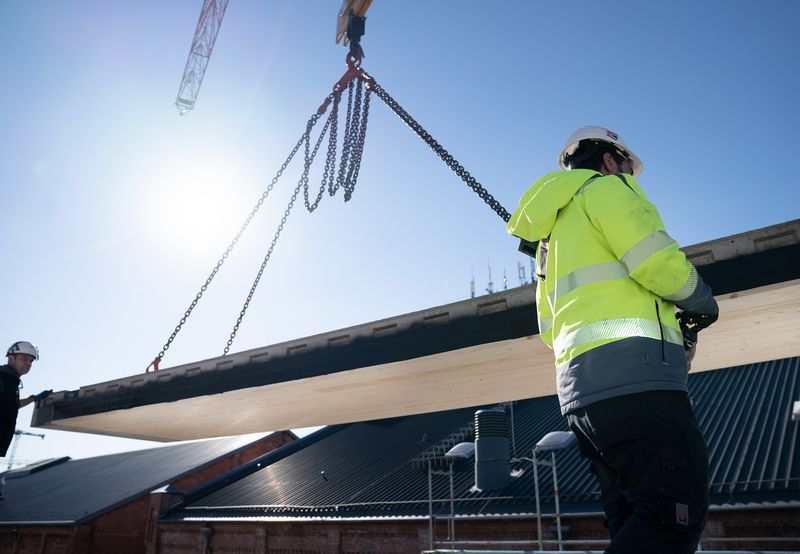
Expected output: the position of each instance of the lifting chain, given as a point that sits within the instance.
(346, 177)
(446, 157)
(353, 145)
(154, 364)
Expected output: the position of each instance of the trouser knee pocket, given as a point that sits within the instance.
(682, 501)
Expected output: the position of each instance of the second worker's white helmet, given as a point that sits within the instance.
(23, 347)
(593, 132)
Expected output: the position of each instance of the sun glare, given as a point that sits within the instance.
(199, 206)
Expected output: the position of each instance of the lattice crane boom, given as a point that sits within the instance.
(205, 36)
(17, 434)
(349, 28)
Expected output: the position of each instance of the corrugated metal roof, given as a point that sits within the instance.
(76, 490)
(374, 469)
(745, 414)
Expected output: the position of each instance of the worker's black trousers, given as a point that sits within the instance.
(651, 463)
(7, 426)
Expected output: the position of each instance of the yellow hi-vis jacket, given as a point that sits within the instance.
(609, 280)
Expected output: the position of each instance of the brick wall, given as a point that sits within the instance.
(122, 530)
(138, 512)
(387, 537)
(411, 537)
(298, 538)
(44, 539)
(736, 526)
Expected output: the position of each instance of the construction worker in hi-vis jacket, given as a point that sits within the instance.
(609, 280)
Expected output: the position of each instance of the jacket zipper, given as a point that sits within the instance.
(661, 330)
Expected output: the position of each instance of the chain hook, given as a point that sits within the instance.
(353, 72)
(153, 364)
(355, 30)
(354, 58)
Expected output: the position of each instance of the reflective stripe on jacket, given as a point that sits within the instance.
(609, 272)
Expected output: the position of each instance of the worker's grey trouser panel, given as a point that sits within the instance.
(651, 462)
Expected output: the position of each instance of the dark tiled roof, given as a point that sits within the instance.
(379, 468)
(76, 490)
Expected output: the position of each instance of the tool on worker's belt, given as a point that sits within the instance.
(528, 248)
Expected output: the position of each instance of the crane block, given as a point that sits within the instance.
(349, 7)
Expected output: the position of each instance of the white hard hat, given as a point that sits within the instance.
(593, 132)
(23, 347)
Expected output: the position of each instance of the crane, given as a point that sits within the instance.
(205, 35)
(17, 434)
(349, 28)
(359, 85)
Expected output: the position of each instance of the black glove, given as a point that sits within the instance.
(42, 395)
(700, 321)
(692, 323)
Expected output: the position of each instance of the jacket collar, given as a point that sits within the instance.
(8, 371)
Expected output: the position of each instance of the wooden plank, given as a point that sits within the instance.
(755, 325)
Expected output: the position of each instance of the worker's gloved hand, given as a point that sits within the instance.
(693, 320)
(692, 323)
(42, 395)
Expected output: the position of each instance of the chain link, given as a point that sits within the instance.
(327, 179)
(308, 158)
(303, 139)
(352, 141)
(330, 158)
(355, 137)
(345, 177)
(346, 142)
(277, 235)
(355, 166)
(446, 157)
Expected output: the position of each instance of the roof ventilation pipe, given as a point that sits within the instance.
(492, 466)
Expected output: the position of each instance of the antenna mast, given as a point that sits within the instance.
(472, 285)
(521, 274)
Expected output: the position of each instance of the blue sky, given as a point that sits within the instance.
(116, 208)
